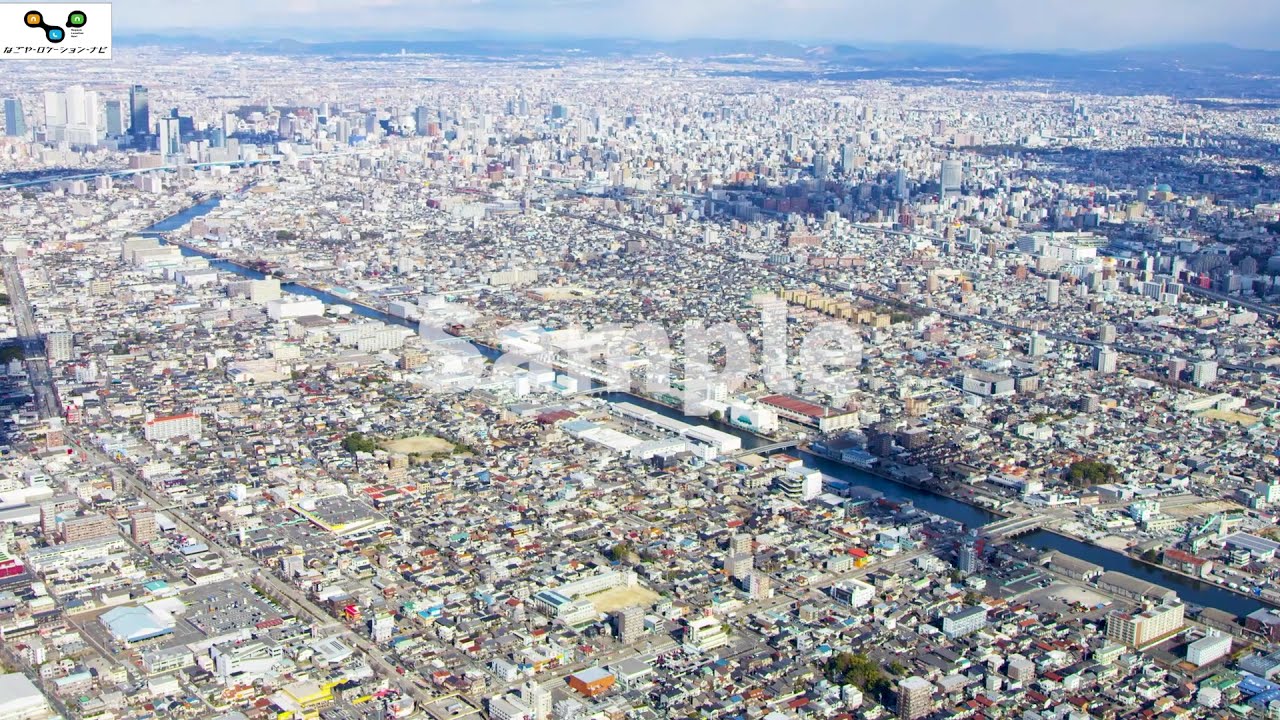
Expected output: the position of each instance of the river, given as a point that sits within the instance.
(1190, 590)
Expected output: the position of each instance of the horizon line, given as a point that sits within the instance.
(308, 38)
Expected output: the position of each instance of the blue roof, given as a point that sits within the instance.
(133, 624)
(1253, 685)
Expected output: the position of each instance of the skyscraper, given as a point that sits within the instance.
(115, 118)
(55, 115)
(421, 118)
(139, 111)
(170, 136)
(952, 178)
(72, 116)
(915, 698)
(821, 166)
(15, 121)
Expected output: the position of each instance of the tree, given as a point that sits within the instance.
(1084, 473)
(359, 443)
(856, 669)
(621, 551)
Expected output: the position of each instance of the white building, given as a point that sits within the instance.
(1105, 359)
(853, 591)
(800, 484)
(20, 699)
(1204, 373)
(166, 428)
(58, 346)
(964, 622)
(72, 116)
(246, 662)
(1207, 649)
(509, 707)
(258, 291)
(289, 309)
(706, 633)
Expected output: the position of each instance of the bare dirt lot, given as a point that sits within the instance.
(620, 597)
(419, 445)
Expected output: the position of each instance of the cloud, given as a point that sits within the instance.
(1017, 24)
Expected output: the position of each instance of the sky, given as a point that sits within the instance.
(997, 24)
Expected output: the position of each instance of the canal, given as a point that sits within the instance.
(1190, 590)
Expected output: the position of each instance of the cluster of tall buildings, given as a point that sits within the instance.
(78, 117)
(73, 116)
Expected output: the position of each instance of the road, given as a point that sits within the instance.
(41, 377)
(16, 663)
(299, 604)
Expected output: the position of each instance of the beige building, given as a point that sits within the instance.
(1146, 627)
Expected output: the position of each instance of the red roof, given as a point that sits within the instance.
(183, 416)
(1183, 557)
(796, 405)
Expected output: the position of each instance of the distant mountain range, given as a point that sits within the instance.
(1206, 69)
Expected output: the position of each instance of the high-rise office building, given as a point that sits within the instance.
(952, 177)
(848, 158)
(821, 166)
(55, 114)
(915, 698)
(170, 137)
(139, 111)
(115, 113)
(15, 121)
(900, 185)
(72, 116)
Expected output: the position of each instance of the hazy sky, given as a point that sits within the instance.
(1023, 24)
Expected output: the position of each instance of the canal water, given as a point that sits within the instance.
(1190, 590)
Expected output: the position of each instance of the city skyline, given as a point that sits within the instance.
(460, 377)
(994, 24)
